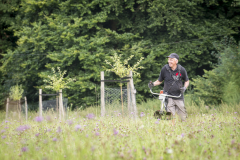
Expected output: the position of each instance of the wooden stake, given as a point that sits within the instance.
(129, 98)
(133, 92)
(61, 111)
(102, 95)
(20, 109)
(40, 102)
(121, 97)
(7, 108)
(26, 108)
(57, 106)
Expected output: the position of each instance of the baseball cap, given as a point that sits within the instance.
(173, 55)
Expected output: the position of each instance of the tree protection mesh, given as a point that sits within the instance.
(113, 103)
(53, 105)
(16, 110)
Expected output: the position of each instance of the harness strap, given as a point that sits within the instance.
(175, 78)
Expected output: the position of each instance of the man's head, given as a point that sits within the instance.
(173, 59)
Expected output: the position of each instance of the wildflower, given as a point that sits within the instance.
(157, 122)
(54, 139)
(6, 121)
(115, 132)
(59, 130)
(90, 116)
(179, 137)
(93, 149)
(142, 114)
(70, 122)
(48, 130)
(141, 127)
(97, 133)
(39, 119)
(23, 128)
(3, 137)
(169, 151)
(24, 149)
(77, 127)
(182, 135)
(37, 134)
(2, 131)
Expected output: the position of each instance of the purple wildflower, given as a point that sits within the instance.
(77, 127)
(48, 130)
(157, 122)
(6, 121)
(182, 134)
(24, 149)
(59, 130)
(37, 134)
(54, 139)
(70, 122)
(3, 137)
(97, 133)
(23, 128)
(142, 114)
(115, 132)
(39, 119)
(2, 131)
(90, 116)
(235, 112)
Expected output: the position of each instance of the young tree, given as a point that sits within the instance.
(56, 80)
(122, 68)
(16, 94)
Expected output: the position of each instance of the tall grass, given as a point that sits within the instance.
(207, 134)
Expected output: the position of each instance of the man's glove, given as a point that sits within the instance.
(150, 84)
(183, 89)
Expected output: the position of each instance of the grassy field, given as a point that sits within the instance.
(207, 134)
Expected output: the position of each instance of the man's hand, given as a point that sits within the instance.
(150, 84)
(183, 89)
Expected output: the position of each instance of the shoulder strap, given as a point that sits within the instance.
(175, 78)
(179, 71)
(179, 68)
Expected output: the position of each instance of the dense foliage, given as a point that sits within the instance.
(79, 36)
(221, 83)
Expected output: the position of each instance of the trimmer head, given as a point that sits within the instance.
(162, 115)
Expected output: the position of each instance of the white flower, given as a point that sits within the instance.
(141, 127)
(179, 137)
(169, 151)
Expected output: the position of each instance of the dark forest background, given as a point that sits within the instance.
(78, 36)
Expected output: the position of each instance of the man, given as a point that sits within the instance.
(173, 74)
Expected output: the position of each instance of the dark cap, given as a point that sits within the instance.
(173, 55)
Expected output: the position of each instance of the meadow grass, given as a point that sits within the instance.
(207, 134)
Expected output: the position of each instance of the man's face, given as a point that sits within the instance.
(172, 62)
